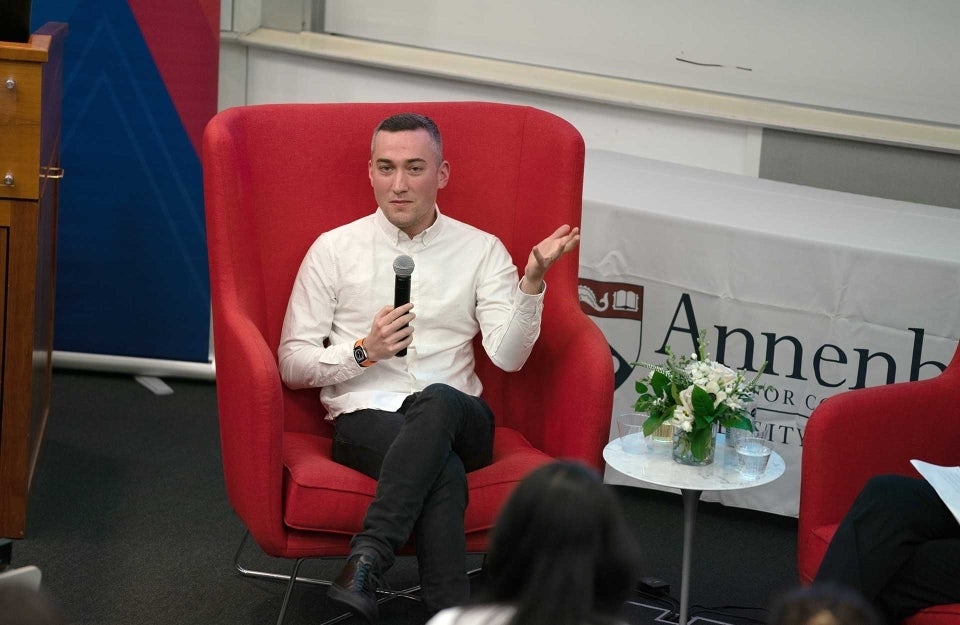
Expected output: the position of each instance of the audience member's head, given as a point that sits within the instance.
(560, 551)
(23, 605)
(823, 604)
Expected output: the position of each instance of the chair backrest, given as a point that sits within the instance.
(298, 170)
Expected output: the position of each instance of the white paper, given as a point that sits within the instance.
(945, 480)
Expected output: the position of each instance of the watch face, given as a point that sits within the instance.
(359, 354)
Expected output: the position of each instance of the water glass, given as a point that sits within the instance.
(735, 434)
(760, 430)
(753, 453)
(630, 427)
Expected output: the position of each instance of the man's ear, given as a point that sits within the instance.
(443, 175)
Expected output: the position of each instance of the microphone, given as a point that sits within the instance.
(403, 268)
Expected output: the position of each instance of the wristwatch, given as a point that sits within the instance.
(360, 354)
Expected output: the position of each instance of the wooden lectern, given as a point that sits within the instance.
(31, 79)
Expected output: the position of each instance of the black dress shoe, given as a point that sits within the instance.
(356, 586)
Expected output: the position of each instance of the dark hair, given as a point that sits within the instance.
(560, 551)
(411, 121)
(823, 604)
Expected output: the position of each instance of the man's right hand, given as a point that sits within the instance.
(391, 331)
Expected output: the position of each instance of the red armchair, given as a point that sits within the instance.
(275, 177)
(858, 434)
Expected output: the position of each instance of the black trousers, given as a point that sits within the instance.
(420, 456)
(899, 546)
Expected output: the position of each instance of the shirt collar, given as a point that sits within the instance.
(400, 238)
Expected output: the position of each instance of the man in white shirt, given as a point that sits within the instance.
(416, 422)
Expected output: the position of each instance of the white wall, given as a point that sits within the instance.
(883, 57)
(659, 107)
(256, 75)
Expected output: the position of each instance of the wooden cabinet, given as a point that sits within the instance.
(31, 79)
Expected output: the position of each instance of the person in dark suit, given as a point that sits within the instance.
(899, 546)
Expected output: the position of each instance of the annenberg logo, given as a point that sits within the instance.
(614, 305)
(799, 375)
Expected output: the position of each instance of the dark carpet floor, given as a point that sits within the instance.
(129, 524)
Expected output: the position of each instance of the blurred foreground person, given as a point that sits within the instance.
(22, 605)
(823, 604)
(560, 554)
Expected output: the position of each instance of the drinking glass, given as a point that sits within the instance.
(753, 453)
(630, 427)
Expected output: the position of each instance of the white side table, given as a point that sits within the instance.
(655, 465)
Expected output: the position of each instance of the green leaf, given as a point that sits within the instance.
(702, 403)
(652, 423)
(660, 383)
(644, 403)
(699, 441)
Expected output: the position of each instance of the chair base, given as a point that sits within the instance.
(293, 578)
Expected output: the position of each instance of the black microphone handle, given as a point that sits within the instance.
(401, 296)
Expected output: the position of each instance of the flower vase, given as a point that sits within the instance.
(683, 447)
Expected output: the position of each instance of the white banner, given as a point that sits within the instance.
(833, 291)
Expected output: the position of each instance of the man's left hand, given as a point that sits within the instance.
(544, 254)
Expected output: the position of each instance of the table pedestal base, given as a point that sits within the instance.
(690, 499)
(655, 465)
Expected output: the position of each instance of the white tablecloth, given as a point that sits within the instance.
(835, 290)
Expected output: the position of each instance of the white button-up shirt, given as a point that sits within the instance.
(464, 281)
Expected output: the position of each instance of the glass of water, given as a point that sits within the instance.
(753, 453)
(630, 427)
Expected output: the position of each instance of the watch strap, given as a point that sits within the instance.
(360, 354)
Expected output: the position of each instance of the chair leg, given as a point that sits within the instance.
(293, 578)
(276, 577)
(289, 591)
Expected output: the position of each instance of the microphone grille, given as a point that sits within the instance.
(403, 265)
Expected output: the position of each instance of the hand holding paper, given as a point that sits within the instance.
(945, 480)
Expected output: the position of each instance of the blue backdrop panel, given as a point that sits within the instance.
(132, 268)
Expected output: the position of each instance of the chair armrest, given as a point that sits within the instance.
(568, 414)
(251, 425)
(858, 434)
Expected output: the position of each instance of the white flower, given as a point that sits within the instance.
(682, 418)
(719, 399)
(686, 400)
(723, 374)
(728, 389)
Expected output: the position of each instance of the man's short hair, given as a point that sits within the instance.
(411, 121)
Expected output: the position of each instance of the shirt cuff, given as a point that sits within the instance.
(525, 300)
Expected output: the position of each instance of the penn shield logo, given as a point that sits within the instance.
(617, 307)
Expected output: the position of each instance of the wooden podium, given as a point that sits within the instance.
(31, 79)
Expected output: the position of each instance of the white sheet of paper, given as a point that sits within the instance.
(945, 480)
